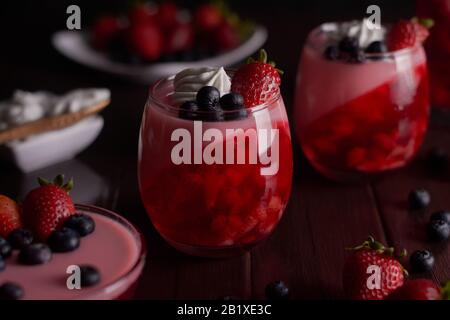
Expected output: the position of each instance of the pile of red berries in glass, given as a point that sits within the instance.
(165, 32)
(44, 224)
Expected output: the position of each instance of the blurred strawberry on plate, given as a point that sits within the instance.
(150, 41)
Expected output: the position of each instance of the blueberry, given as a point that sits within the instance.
(437, 159)
(216, 115)
(90, 276)
(441, 215)
(208, 97)
(438, 230)
(232, 101)
(421, 261)
(189, 110)
(20, 238)
(277, 291)
(35, 253)
(10, 291)
(81, 223)
(376, 47)
(64, 240)
(349, 45)
(233, 105)
(332, 52)
(2, 264)
(5, 248)
(358, 57)
(418, 199)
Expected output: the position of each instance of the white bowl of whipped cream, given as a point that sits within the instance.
(44, 149)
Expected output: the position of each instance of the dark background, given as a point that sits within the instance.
(322, 218)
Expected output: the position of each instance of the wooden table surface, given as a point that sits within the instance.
(307, 248)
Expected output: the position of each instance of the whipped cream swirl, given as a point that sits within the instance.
(189, 81)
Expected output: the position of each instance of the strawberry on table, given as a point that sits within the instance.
(257, 81)
(417, 289)
(408, 33)
(358, 268)
(9, 216)
(47, 207)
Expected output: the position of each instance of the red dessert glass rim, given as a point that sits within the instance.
(375, 56)
(140, 240)
(174, 110)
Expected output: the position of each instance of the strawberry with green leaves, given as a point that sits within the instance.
(9, 216)
(47, 207)
(408, 33)
(257, 81)
(364, 261)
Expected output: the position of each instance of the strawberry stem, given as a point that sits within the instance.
(43, 182)
(372, 244)
(426, 22)
(262, 56)
(57, 181)
(69, 185)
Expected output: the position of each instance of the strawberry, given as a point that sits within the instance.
(225, 37)
(359, 276)
(167, 14)
(179, 37)
(104, 30)
(9, 216)
(417, 289)
(257, 81)
(47, 207)
(141, 14)
(408, 33)
(146, 40)
(207, 17)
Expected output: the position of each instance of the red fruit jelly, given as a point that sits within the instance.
(354, 119)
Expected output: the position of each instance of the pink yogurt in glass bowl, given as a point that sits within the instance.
(116, 248)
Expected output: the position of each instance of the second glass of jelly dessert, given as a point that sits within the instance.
(360, 107)
(438, 49)
(208, 207)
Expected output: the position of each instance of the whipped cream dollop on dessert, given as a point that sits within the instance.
(26, 106)
(189, 81)
(359, 29)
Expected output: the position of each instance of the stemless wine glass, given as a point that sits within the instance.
(210, 208)
(438, 49)
(356, 119)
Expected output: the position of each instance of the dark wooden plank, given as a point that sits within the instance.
(406, 229)
(307, 249)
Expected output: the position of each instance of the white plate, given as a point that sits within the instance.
(45, 149)
(73, 45)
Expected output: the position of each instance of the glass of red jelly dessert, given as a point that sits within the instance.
(115, 249)
(438, 49)
(360, 107)
(213, 203)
